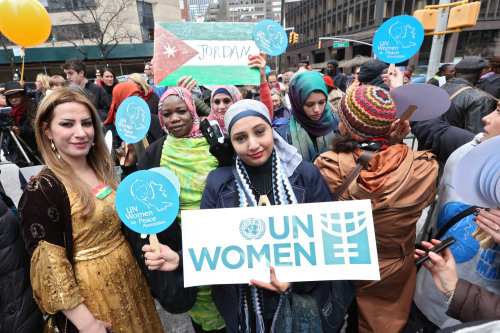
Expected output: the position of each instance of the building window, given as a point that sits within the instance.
(74, 31)
(54, 6)
(146, 20)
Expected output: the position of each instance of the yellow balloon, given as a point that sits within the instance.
(24, 22)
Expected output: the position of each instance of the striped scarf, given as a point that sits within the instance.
(283, 195)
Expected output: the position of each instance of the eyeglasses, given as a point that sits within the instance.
(147, 69)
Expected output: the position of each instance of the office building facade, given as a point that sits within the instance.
(359, 19)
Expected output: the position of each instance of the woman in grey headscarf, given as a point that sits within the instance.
(267, 171)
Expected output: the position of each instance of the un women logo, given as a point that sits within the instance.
(345, 238)
(252, 228)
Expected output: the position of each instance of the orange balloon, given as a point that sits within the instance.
(24, 22)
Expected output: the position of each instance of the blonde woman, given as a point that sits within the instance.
(83, 272)
(42, 87)
(147, 92)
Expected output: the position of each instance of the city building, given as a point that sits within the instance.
(243, 10)
(197, 9)
(359, 19)
(78, 25)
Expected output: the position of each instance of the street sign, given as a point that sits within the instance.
(346, 44)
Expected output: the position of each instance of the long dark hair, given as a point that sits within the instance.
(30, 107)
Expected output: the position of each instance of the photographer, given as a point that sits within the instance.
(20, 122)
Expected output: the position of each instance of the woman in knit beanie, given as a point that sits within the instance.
(399, 182)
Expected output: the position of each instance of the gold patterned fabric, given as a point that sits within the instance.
(108, 279)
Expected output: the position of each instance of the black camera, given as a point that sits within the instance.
(6, 110)
(5, 118)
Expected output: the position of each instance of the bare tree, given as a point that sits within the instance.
(4, 42)
(483, 47)
(102, 22)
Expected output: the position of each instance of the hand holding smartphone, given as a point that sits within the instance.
(436, 249)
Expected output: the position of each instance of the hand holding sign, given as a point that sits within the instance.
(160, 258)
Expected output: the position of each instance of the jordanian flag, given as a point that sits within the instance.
(212, 53)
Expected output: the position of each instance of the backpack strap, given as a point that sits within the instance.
(362, 162)
(454, 220)
(459, 91)
(487, 94)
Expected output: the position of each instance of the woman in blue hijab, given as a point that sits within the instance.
(312, 126)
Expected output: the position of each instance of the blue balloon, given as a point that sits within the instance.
(398, 39)
(270, 37)
(133, 119)
(147, 202)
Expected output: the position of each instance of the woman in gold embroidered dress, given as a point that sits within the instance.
(82, 270)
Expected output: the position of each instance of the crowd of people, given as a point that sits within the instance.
(70, 265)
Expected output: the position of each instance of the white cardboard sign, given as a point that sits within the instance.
(306, 242)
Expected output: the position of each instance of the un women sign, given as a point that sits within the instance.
(306, 242)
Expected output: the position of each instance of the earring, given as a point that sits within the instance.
(54, 149)
(93, 144)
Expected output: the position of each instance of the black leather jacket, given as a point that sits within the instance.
(468, 107)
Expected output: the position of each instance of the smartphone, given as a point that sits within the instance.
(436, 249)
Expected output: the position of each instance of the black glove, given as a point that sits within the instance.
(223, 152)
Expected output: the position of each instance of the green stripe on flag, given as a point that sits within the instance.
(218, 75)
(210, 30)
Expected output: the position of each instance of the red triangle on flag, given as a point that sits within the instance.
(170, 53)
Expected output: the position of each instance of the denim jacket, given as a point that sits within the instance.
(309, 186)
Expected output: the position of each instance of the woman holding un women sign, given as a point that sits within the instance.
(186, 153)
(399, 182)
(267, 171)
(83, 272)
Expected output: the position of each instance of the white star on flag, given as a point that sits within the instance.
(169, 51)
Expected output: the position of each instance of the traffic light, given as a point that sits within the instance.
(290, 37)
(295, 37)
(319, 45)
(428, 18)
(464, 16)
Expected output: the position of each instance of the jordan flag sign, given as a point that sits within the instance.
(212, 53)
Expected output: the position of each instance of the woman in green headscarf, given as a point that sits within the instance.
(185, 152)
(312, 126)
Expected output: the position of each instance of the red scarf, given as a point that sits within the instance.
(18, 112)
(146, 97)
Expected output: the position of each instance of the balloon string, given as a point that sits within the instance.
(22, 67)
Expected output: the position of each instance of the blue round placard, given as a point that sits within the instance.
(147, 202)
(133, 119)
(270, 37)
(170, 176)
(398, 39)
